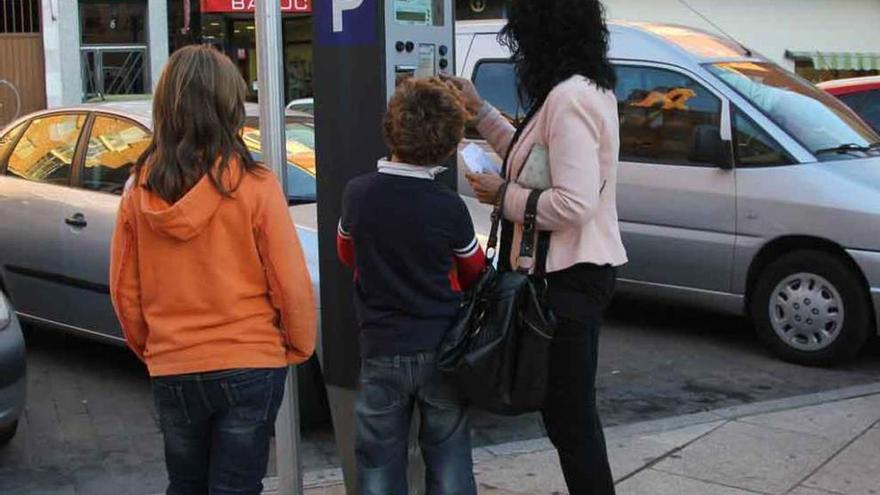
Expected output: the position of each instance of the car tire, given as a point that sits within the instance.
(6, 434)
(810, 308)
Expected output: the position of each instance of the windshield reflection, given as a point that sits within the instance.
(814, 118)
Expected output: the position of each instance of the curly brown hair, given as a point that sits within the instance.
(425, 121)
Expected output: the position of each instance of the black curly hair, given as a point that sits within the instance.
(552, 40)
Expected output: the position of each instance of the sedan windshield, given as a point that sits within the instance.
(821, 123)
(300, 146)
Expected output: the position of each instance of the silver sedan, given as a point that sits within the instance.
(61, 174)
(12, 371)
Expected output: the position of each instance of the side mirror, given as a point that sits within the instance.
(708, 147)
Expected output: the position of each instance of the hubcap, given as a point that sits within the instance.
(806, 312)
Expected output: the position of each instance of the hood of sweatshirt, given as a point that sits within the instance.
(186, 218)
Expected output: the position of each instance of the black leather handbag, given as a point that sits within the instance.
(498, 352)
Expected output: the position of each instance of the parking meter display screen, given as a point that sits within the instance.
(419, 12)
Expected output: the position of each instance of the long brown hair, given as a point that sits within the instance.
(198, 113)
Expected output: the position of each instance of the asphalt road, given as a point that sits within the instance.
(90, 427)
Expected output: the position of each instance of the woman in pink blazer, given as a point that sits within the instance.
(560, 49)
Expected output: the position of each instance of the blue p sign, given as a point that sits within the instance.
(346, 22)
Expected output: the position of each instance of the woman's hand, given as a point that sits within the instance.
(486, 187)
(469, 94)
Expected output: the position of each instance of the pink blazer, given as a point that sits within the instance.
(579, 126)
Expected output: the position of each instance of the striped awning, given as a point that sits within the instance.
(839, 60)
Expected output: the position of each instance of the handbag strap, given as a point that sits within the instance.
(527, 256)
(498, 222)
(543, 251)
(497, 216)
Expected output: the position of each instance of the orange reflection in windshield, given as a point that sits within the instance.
(298, 154)
(694, 41)
(675, 99)
(743, 66)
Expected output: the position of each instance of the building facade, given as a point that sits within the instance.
(105, 49)
(21, 59)
(93, 49)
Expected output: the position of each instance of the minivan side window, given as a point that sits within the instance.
(660, 113)
(45, 151)
(114, 147)
(495, 80)
(753, 147)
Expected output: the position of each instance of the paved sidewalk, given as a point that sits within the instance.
(822, 444)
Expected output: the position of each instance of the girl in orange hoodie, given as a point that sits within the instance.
(209, 280)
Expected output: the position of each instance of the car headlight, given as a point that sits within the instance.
(5, 312)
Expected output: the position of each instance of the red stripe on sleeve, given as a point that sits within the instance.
(470, 268)
(453, 280)
(345, 250)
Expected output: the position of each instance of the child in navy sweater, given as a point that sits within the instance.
(411, 243)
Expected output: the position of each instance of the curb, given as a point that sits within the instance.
(333, 476)
(743, 411)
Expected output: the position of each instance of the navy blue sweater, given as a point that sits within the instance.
(412, 245)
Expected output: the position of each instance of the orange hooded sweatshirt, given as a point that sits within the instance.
(211, 282)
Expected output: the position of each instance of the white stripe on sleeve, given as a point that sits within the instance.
(342, 232)
(469, 250)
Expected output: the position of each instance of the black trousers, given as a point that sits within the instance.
(579, 297)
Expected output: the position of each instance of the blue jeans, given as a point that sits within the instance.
(217, 428)
(390, 387)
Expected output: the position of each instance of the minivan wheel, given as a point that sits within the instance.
(810, 308)
(6, 434)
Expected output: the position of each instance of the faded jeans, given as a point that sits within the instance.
(217, 428)
(390, 388)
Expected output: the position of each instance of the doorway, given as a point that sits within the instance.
(235, 34)
(114, 48)
(23, 82)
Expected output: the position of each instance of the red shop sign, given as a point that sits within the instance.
(238, 6)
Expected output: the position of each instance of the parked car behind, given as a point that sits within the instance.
(304, 105)
(61, 175)
(742, 187)
(12, 371)
(862, 94)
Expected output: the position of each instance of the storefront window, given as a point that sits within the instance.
(235, 35)
(298, 57)
(114, 48)
(480, 9)
(118, 22)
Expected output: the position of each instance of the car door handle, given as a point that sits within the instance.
(77, 220)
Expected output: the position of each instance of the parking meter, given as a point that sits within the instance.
(361, 49)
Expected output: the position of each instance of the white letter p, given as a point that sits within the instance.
(340, 6)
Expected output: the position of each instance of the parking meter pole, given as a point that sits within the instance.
(270, 79)
(361, 47)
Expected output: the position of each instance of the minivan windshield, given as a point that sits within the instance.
(820, 122)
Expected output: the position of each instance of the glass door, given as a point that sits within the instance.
(114, 48)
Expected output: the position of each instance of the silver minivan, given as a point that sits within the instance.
(742, 186)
